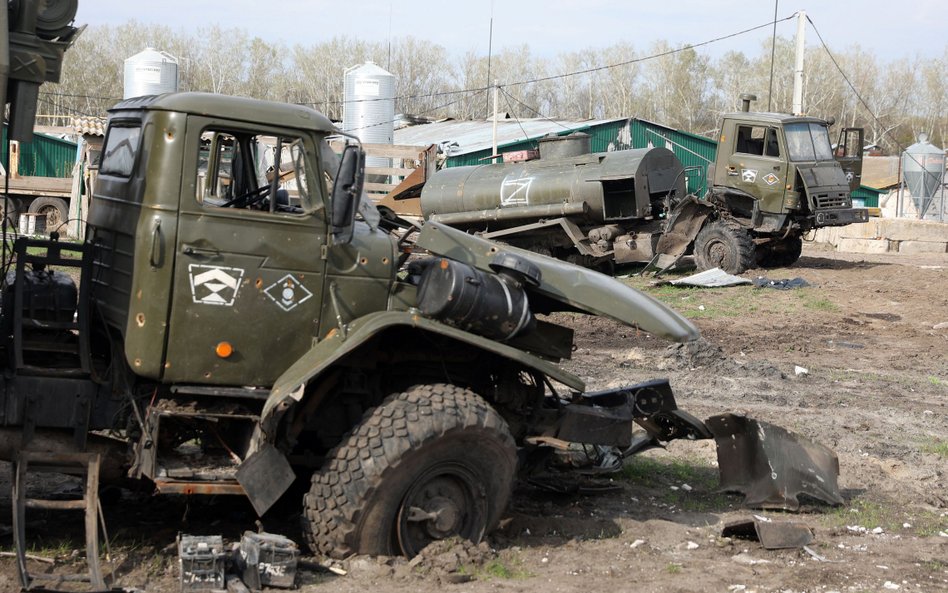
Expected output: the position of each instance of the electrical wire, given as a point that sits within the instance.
(510, 106)
(862, 101)
(549, 119)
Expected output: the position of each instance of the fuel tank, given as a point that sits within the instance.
(605, 187)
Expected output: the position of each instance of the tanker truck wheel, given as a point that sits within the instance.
(780, 254)
(724, 244)
(433, 462)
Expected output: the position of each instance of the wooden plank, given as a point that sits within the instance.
(379, 187)
(38, 186)
(395, 151)
(388, 171)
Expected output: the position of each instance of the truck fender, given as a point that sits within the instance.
(290, 386)
(684, 223)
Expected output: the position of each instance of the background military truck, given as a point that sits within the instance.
(775, 177)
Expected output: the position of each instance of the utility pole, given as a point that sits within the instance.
(493, 153)
(798, 64)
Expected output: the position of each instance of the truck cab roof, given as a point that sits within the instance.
(774, 118)
(223, 106)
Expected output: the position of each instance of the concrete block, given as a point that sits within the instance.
(863, 230)
(863, 245)
(827, 235)
(906, 229)
(922, 247)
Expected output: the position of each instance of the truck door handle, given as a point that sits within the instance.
(199, 251)
(154, 258)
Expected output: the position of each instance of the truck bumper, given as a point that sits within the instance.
(840, 217)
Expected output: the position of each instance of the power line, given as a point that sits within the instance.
(852, 87)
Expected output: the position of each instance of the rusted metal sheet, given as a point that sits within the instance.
(772, 466)
(772, 535)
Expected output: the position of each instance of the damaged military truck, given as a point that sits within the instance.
(775, 177)
(242, 320)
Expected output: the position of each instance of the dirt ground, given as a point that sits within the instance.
(871, 333)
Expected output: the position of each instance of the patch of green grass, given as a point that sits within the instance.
(935, 381)
(498, 569)
(815, 301)
(649, 471)
(937, 447)
(891, 517)
(673, 568)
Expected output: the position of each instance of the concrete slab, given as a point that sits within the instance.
(863, 245)
(922, 247)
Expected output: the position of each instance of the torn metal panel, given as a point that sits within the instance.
(713, 278)
(770, 465)
(772, 535)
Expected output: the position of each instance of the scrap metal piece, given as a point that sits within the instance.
(770, 465)
(772, 535)
(713, 278)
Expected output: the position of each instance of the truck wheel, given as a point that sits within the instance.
(726, 245)
(780, 254)
(56, 211)
(11, 213)
(432, 462)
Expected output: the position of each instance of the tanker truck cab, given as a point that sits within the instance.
(217, 227)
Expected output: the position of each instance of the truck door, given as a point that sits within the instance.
(757, 165)
(849, 155)
(249, 269)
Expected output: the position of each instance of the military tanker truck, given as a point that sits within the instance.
(774, 178)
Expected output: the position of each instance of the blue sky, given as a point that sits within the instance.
(891, 30)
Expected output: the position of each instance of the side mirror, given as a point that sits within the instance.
(346, 192)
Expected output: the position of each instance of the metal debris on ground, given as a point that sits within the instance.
(713, 278)
(772, 535)
(770, 465)
(785, 284)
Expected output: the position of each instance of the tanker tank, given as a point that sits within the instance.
(592, 209)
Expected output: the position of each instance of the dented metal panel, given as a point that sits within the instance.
(772, 466)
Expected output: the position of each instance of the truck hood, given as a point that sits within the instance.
(566, 286)
(823, 177)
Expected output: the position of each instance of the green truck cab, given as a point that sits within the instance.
(775, 177)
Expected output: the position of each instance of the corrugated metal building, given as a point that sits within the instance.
(45, 156)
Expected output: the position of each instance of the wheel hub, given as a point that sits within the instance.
(444, 502)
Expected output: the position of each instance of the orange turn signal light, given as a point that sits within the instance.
(224, 349)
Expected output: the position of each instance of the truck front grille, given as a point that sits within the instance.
(833, 200)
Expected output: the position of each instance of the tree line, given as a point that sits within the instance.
(683, 89)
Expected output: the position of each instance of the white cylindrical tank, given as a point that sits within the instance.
(368, 108)
(150, 72)
(923, 169)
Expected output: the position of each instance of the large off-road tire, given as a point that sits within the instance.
(780, 253)
(724, 244)
(56, 211)
(432, 462)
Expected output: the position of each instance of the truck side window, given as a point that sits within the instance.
(750, 140)
(121, 147)
(772, 146)
(259, 172)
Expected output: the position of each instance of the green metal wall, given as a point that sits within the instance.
(691, 149)
(868, 195)
(45, 156)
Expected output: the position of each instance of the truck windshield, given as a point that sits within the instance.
(808, 142)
